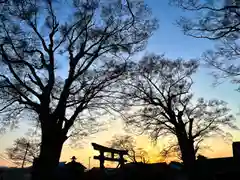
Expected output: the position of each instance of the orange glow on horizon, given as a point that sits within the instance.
(85, 154)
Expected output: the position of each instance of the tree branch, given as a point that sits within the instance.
(8, 62)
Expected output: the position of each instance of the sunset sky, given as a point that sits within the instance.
(168, 39)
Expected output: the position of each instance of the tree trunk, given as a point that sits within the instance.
(186, 146)
(50, 153)
(188, 154)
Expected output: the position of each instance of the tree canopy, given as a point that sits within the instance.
(127, 142)
(36, 40)
(161, 103)
(23, 151)
(91, 40)
(218, 21)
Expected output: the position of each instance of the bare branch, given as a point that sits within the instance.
(163, 88)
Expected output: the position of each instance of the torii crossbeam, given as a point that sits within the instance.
(102, 158)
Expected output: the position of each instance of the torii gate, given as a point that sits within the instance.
(102, 158)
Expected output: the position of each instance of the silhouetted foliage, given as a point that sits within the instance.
(215, 20)
(127, 142)
(160, 90)
(92, 39)
(23, 150)
(201, 157)
(172, 150)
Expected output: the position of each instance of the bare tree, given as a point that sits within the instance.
(219, 21)
(92, 39)
(172, 150)
(127, 142)
(23, 151)
(159, 94)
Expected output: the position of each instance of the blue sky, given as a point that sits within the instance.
(169, 39)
